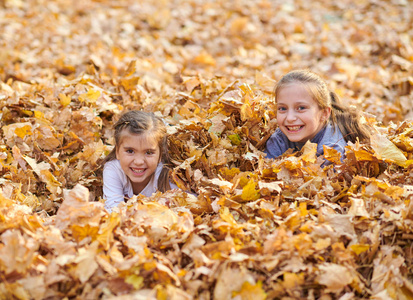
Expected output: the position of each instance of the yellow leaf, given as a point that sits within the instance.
(204, 59)
(21, 132)
(52, 184)
(229, 174)
(105, 234)
(90, 97)
(129, 83)
(135, 280)
(292, 280)
(238, 25)
(309, 152)
(130, 69)
(64, 100)
(227, 216)
(249, 192)
(38, 114)
(80, 232)
(386, 150)
(332, 155)
(235, 139)
(303, 209)
(251, 291)
(27, 112)
(246, 112)
(322, 244)
(359, 248)
(363, 155)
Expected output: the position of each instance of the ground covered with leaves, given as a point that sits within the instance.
(258, 228)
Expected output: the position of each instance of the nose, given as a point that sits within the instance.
(291, 116)
(138, 159)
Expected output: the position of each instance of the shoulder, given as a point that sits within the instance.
(111, 166)
(335, 135)
(333, 138)
(113, 169)
(277, 144)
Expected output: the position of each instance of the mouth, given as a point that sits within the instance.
(294, 128)
(138, 171)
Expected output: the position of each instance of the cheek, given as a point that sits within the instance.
(279, 118)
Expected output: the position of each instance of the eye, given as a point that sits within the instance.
(129, 151)
(281, 109)
(301, 107)
(150, 152)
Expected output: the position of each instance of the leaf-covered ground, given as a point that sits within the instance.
(259, 228)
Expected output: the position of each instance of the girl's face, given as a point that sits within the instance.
(298, 115)
(139, 155)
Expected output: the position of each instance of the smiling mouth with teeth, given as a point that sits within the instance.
(138, 171)
(294, 128)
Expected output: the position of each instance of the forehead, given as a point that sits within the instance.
(295, 92)
(143, 140)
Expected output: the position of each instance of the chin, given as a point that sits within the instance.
(294, 138)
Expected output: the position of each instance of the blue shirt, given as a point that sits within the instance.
(278, 143)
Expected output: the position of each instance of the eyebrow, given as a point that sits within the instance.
(297, 103)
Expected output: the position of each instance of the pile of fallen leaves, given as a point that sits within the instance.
(250, 227)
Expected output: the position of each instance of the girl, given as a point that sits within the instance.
(138, 163)
(306, 110)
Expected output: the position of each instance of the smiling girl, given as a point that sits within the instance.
(307, 111)
(137, 163)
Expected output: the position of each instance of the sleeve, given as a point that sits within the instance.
(112, 186)
(275, 145)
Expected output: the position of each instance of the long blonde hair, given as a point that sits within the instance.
(140, 122)
(346, 118)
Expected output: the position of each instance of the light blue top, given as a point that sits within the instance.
(278, 143)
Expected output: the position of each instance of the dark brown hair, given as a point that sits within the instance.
(346, 118)
(140, 122)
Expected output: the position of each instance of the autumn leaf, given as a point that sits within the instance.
(250, 292)
(332, 155)
(105, 234)
(386, 150)
(90, 97)
(334, 277)
(64, 99)
(249, 191)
